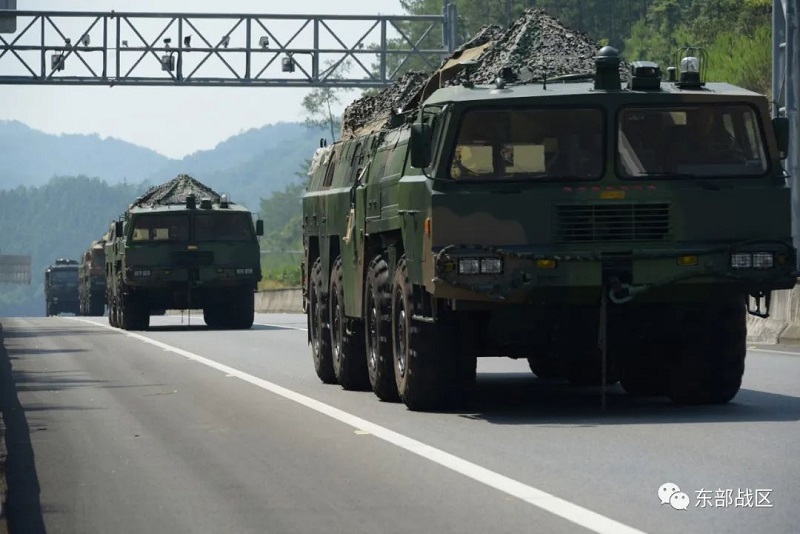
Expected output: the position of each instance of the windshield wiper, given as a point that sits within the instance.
(692, 178)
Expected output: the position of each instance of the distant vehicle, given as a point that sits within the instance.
(61, 287)
(183, 246)
(604, 232)
(92, 279)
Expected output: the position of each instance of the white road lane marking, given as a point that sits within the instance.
(574, 513)
(770, 351)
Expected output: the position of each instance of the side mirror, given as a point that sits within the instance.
(118, 228)
(420, 145)
(781, 127)
(259, 227)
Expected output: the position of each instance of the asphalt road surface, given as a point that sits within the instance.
(183, 429)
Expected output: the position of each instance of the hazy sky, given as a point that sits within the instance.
(174, 121)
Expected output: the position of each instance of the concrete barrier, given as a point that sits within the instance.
(783, 323)
(288, 300)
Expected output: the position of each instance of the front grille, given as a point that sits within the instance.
(599, 223)
(191, 258)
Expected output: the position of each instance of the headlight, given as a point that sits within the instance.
(491, 265)
(244, 271)
(752, 260)
(468, 266)
(141, 272)
(763, 260)
(480, 265)
(741, 260)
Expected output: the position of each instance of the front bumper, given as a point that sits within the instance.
(535, 275)
(197, 277)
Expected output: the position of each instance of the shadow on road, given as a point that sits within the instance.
(67, 330)
(517, 399)
(203, 327)
(24, 506)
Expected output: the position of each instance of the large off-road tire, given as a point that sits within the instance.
(245, 310)
(113, 313)
(319, 328)
(430, 371)
(212, 317)
(709, 365)
(48, 309)
(347, 337)
(378, 330)
(135, 315)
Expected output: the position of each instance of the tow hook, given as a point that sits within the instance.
(620, 293)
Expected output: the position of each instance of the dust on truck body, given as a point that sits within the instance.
(570, 222)
(61, 287)
(92, 279)
(183, 246)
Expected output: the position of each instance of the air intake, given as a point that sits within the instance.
(605, 223)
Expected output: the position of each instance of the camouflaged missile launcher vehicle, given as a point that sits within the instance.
(92, 279)
(605, 230)
(61, 287)
(183, 246)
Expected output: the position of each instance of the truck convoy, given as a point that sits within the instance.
(92, 279)
(604, 230)
(61, 287)
(183, 246)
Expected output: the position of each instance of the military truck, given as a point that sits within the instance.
(92, 279)
(183, 246)
(604, 231)
(61, 287)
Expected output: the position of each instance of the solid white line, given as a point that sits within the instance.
(574, 513)
(774, 351)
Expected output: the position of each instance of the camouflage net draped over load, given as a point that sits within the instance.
(175, 192)
(536, 43)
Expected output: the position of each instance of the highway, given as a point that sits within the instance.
(184, 429)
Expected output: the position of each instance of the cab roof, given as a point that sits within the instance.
(667, 92)
(181, 208)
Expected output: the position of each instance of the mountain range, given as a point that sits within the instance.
(249, 166)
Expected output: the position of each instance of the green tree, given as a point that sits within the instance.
(321, 104)
(282, 214)
(743, 59)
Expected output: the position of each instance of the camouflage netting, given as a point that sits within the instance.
(535, 46)
(175, 192)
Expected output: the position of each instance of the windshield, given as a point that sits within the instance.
(223, 227)
(160, 228)
(529, 144)
(64, 275)
(700, 141)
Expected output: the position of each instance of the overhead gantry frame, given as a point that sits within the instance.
(169, 49)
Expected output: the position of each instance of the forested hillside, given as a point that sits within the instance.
(249, 166)
(30, 157)
(55, 220)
